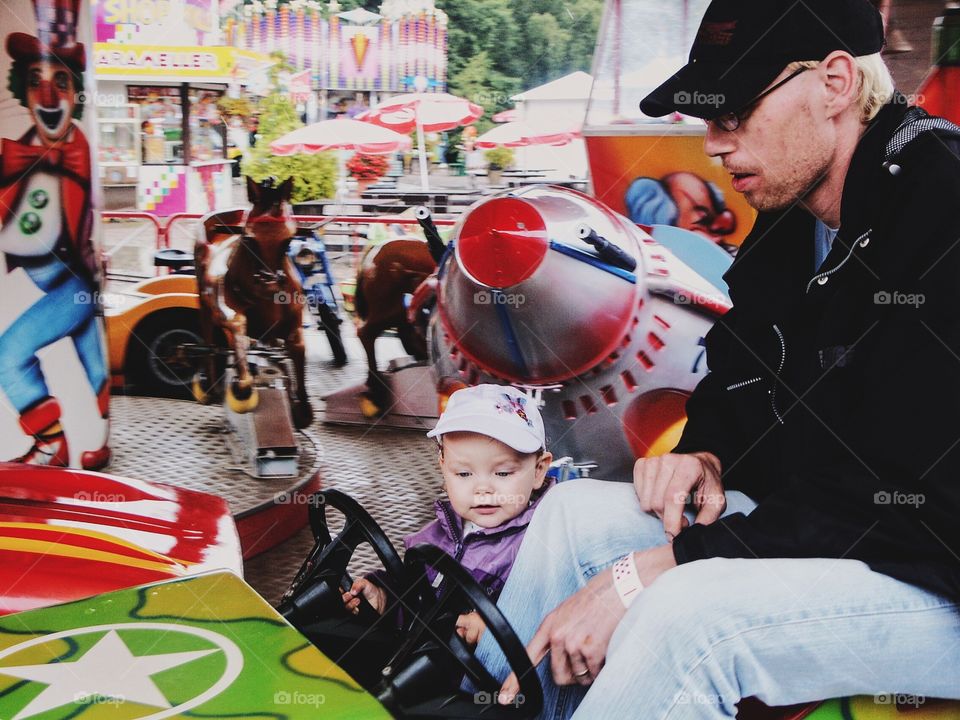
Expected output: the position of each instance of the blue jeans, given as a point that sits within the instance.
(708, 633)
(67, 308)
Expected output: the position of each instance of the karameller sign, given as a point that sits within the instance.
(186, 61)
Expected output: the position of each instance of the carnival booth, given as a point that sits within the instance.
(160, 72)
(352, 59)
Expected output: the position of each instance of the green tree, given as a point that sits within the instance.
(481, 84)
(314, 176)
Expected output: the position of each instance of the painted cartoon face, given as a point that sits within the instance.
(51, 97)
(699, 209)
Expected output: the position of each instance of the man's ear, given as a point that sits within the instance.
(841, 78)
(543, 464)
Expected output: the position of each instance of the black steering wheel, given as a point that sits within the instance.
(313, 604)
(423, 678)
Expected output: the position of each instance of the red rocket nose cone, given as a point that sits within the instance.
(502, 242)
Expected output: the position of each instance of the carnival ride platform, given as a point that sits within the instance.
(391, 472)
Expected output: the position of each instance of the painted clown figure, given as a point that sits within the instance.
(45, 230)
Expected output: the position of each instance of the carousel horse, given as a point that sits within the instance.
(249, 290)
(388, 272)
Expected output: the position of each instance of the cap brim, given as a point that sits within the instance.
(706, 90)
(523, 442)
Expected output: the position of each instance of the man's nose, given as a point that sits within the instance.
(717, 142)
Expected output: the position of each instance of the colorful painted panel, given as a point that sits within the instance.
(207, 646)
(162, 189)
(662, 177)
(53, 373)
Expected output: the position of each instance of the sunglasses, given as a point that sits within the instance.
(731, 121)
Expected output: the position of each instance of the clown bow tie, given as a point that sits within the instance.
(19, 158)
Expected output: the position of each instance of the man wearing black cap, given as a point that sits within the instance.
(810, 508)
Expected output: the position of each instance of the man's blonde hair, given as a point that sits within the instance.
(876, 83)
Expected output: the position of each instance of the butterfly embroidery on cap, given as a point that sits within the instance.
(514, 405)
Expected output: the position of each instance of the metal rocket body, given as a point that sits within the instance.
(611, 338)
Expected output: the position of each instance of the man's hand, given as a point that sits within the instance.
(578, 632)
(665, 485)
(470, 627)
(374, 594)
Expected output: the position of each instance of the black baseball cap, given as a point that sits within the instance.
(742, 45)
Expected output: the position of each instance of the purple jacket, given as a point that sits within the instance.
(488, 553)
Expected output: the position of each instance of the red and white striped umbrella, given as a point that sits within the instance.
(427, 112)
(340, 134)
(521, 134)
(434, 112)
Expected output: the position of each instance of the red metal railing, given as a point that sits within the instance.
(163, 228)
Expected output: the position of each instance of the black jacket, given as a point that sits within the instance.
(834, 398)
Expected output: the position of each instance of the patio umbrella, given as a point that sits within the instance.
(340, 134)
(427, 112)
(506, 116)
(521, 134)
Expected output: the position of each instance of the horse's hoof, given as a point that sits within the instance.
(242, 405)
(199, 394)
(369, 409)
(302, 415)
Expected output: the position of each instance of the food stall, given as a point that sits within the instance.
(160, 71)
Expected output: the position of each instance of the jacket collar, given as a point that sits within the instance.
(867, 175)
(446, 515)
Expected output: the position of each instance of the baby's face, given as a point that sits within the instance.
(489, 483)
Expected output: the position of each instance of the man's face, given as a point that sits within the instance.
(51, 98)
(781, 150)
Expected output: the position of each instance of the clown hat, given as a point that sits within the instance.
(56, 37)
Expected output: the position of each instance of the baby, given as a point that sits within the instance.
(494, 462)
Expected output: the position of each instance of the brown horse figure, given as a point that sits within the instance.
(388, 272)
(249, 289)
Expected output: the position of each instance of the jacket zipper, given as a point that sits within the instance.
(744, 383)
(457, 550)
(820, 276)
(783, 360)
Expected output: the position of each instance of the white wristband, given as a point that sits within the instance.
(626, 580)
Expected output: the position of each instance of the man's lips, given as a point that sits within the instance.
(742, 180)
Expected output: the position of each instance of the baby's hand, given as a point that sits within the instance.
(470, 627)
(374, 594)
